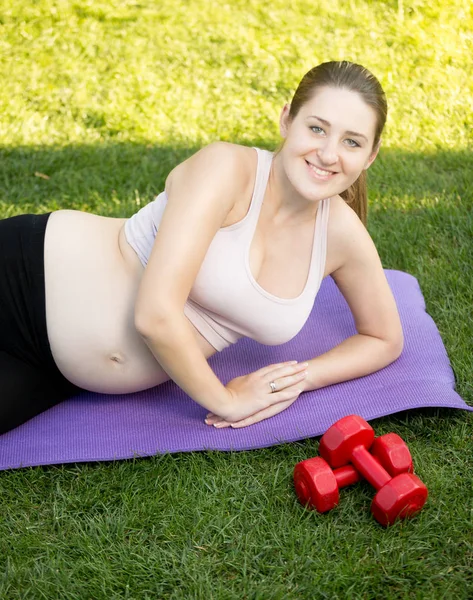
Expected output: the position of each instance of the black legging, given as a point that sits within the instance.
(30, 382)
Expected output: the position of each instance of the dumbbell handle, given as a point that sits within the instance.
(346, 476)
(370, 468)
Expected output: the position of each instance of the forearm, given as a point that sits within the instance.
(174, 346)
(355, 357)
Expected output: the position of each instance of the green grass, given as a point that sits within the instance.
(104, 98)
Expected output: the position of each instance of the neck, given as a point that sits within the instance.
(287, 205)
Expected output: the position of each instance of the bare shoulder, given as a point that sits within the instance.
(202, 190)
(220, 164)
(347, 237)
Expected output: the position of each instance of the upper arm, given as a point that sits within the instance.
(360, 277)
(200, 193)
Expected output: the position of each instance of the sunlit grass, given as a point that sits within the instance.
(98, 101)
(179, 72)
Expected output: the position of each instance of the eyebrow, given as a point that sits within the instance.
(354, 133)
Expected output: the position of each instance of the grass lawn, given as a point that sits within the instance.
(99, 99)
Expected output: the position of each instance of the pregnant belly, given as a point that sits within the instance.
(91, 286)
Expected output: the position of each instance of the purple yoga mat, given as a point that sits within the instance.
(95, 427)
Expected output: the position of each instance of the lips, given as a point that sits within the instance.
(320, 173)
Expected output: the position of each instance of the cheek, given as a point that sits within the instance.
(355, 163)
(299, 140)
(294, 146)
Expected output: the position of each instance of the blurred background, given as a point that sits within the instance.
(99, 100)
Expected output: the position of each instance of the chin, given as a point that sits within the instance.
(314, 191)
(312, 195)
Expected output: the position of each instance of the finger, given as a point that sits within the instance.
(285, 370)
(211, 419)
(217, 421)
(222, 424)
(271, 411)
(287, 381)
(284, 395)
(270, 368)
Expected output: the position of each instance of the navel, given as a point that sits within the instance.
(117, 358)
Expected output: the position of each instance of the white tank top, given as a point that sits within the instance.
(226, 302)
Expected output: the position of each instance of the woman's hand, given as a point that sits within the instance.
(253, 399)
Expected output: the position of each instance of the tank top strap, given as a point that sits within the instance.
(319, 247)
(263, 168)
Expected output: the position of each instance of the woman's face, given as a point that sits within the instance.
(328, 143)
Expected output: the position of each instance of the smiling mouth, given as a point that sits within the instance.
(320, 172)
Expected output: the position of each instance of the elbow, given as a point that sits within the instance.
(395, 346)
(150, 324)
(144, 325)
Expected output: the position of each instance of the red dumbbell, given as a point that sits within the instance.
(317, 485)
(398, 497)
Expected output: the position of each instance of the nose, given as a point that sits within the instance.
(327, 152)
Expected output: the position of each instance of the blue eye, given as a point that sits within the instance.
(316, 129)
(353, 144)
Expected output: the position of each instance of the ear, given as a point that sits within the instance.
(373, 155)
(284, 120)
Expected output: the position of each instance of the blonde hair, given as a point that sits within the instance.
(353, 77)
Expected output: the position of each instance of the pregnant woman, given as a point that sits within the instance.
(236, 245)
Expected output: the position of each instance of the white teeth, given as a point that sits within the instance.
(320, 172)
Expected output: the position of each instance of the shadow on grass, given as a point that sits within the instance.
(104, 177)
(420, 210)
(420, 204)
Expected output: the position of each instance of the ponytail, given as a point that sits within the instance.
(356, 196)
